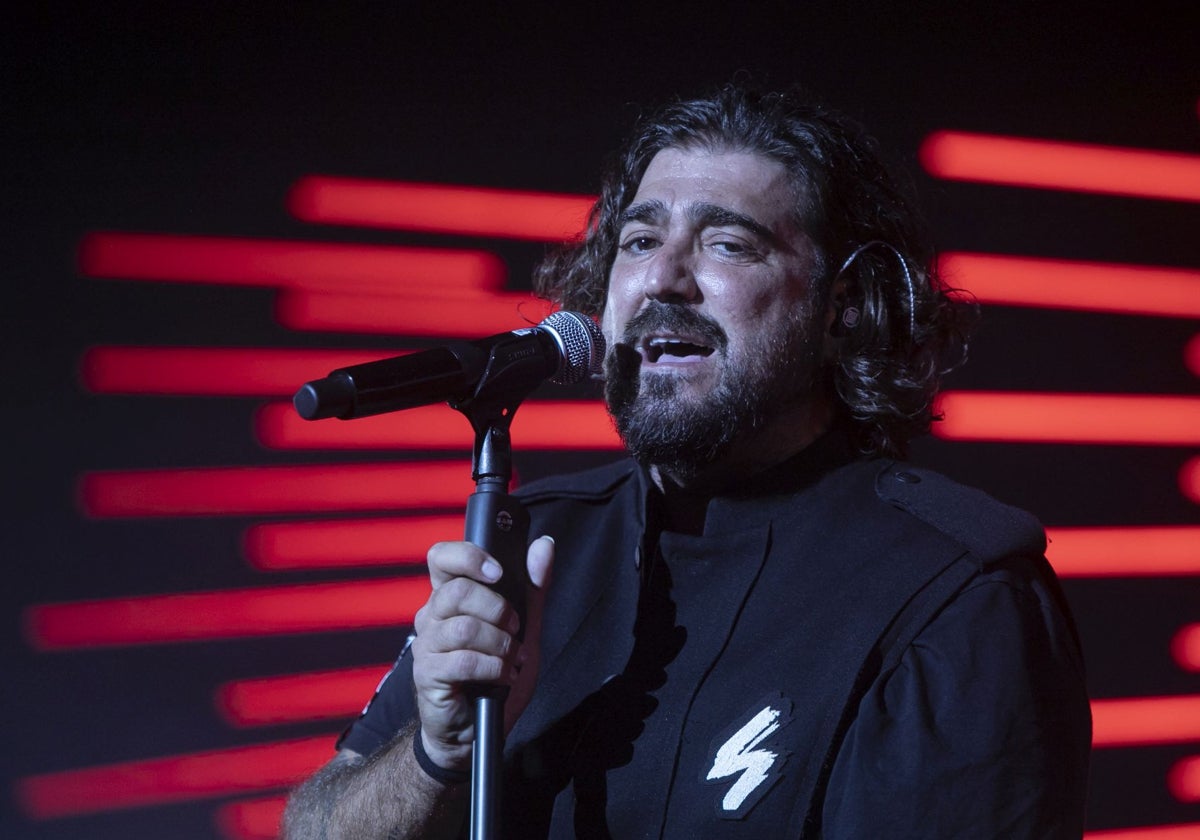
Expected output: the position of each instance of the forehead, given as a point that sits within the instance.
(746, 182)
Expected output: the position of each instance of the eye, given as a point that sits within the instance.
(735, 249)
(639, 244)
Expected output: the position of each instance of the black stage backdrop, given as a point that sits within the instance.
(198, 595)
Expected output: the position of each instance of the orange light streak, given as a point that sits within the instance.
(315, 266)
(178, 778)
(333, 543)
(1189, 480)
(1154, 551)
(212, 371)
(251, 819)
(472, 316)
(298, 697)
(1069, 418)
(1056, 165)
(1073, 284)
(440, 208)
(537, 425)
(1185, 647)
(1144, 721)
(289, 489)
(1183, 780)
(226, 614)
(1189, 831)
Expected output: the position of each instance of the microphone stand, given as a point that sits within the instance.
(499, 524)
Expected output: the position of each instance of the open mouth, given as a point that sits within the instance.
(667, 349)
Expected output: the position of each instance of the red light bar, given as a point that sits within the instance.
(178, 778)
(1125, 552)
(1183, 780)
(251, 819)
(316, 266)
(347, 542)
(292, 489)
(537, 425)
(1189, 831)
(1069, 418)
(298, 697)
(1056, 165)
(1191, 355)
(1072, 284)
(472, 211)
(1142, 721)
(429, 316)
(212, 371)
(232, 613)
(1185, 647)
(1189, 480)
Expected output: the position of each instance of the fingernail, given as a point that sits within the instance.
(491, 570)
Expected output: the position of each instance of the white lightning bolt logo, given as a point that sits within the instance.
(740, 753)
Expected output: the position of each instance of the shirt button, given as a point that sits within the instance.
(908, 478)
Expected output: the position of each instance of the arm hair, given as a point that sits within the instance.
(385, 797)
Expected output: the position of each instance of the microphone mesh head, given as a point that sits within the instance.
(581, 343)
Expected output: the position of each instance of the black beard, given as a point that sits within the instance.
(683, 435)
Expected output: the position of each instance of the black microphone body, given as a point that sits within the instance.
(565, 348)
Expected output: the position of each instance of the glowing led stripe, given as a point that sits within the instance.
(474, 211)
(251, 819)
(317, 266)
(1142, 721)
(179, 778)
(212, 371)
(1189, 831)
(1189, 480)
(1125, 551)
(1068, 284)
(1185, 647)
(347, 542)
(256, 490)
(1183, 780)
(1191, 355)
(298, 697)
(1069, 418)
(537, 425)
(1055, 165)
(430, 316)
(233, 613)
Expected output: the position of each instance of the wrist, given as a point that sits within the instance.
(445, 775)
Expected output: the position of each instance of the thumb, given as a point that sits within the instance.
(539, 562)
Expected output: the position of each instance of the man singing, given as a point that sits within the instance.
(764, 624)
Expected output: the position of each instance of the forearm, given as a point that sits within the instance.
(385, 797)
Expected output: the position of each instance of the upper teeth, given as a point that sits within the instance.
(675, 346)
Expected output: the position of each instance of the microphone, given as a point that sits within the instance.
(564, 348)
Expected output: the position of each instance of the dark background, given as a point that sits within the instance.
(197, 120)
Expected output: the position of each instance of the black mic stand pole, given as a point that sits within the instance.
(499, 524)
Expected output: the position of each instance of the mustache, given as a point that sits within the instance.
(659, 317)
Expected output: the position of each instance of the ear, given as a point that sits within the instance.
(832, 319)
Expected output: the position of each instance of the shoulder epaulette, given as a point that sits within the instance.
(980, 523)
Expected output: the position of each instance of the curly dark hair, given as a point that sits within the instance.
(913, 328)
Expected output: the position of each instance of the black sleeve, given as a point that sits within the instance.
(982, 731)
(391, 708)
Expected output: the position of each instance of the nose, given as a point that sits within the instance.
(671, 276)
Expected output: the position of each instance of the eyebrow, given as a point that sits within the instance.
(703, 214)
